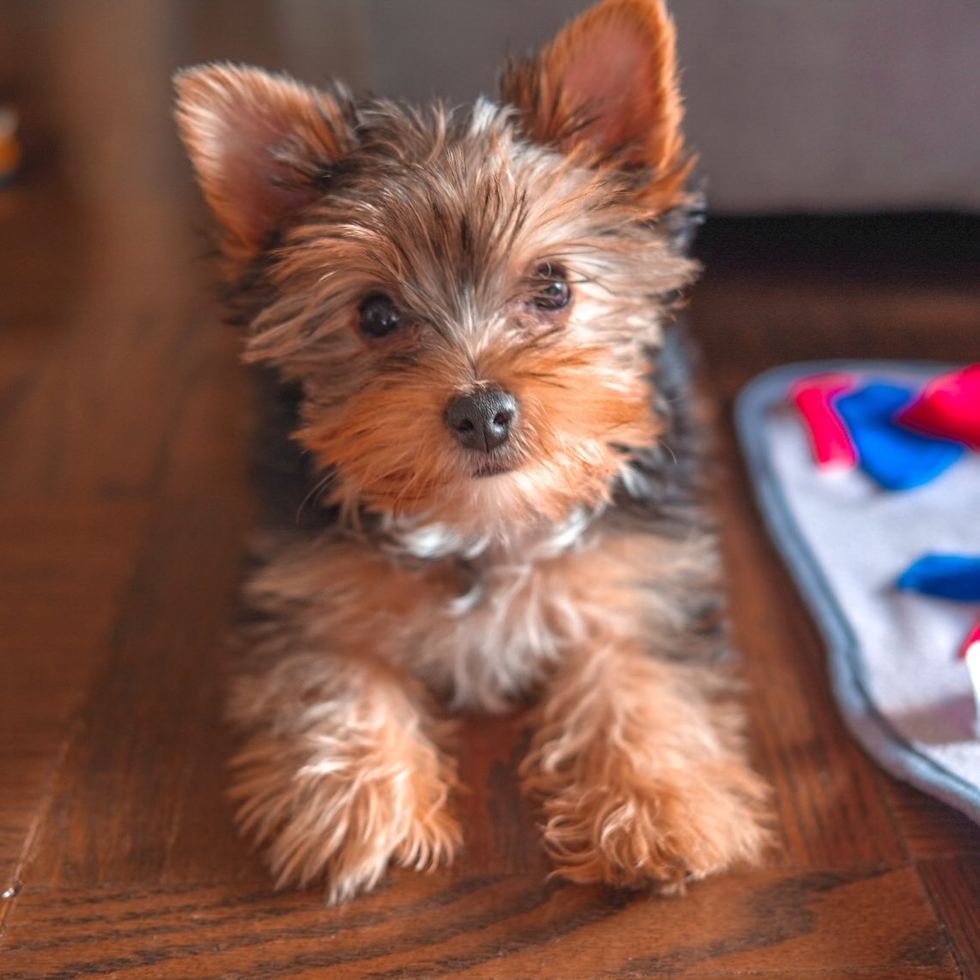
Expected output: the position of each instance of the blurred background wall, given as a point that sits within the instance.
(793, 105)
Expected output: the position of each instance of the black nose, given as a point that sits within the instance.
(482, 420)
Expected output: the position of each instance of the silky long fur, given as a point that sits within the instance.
(573, 563)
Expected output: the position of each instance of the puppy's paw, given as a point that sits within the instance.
(664, 829)
(330, 809)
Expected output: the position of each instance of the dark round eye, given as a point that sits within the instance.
(378, 316)
(552, 291)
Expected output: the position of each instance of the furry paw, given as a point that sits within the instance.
(641, 770)
(331, 809)
(666, 829)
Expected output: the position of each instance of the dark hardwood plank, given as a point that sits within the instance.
(500, 825)
(820, 924)
(120, 807)
(748, 322)
(954, 887)
(63, 569)
(102, 432)
(930, 829)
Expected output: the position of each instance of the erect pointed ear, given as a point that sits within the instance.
(262, 146)
(606, 90)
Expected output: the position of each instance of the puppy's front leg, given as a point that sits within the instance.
(342, 773)
(641, 772)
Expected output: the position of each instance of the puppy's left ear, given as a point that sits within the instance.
(262, 146)
(605, 90)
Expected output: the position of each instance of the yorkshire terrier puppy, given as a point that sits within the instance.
(473, 310)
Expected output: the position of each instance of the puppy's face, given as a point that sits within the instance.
(469, 300)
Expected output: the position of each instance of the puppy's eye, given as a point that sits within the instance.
(552, 291)
(378, 316)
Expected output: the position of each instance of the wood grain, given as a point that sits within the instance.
(497, 925)
(953, 884)
(50, 577)
(124, 517)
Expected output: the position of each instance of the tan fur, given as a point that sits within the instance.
(569, 429)
(641, 774)
(254, 139)
(572, 562)
(344, 773)
(487, 632)
(607, 89)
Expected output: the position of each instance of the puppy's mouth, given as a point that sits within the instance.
(493, 467)
(504, 459)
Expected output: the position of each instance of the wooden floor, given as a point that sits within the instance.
(124, 511)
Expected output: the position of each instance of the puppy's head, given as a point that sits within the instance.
(469, 300)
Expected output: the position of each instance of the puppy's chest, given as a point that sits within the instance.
(477, 634)
(485, 631)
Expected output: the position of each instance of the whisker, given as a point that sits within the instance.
(314, 494)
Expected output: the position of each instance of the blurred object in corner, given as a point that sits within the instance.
(9, 147)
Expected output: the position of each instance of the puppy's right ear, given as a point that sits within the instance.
(262, 145)
(606, 91)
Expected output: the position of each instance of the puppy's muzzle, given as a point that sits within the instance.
(482, 420)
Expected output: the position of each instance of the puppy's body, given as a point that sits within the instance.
(472, 308)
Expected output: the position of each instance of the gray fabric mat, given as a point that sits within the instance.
(892, 656)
